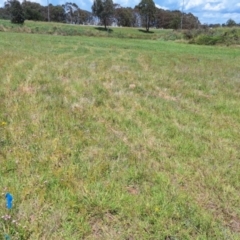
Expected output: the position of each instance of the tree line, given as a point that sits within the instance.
(104, 12)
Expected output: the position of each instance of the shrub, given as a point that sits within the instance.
(208, 40)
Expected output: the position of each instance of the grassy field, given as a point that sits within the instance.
(218, 36)
(108, 138)
(84, 30)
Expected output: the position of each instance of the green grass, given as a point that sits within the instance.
(81, 30)
(108, 138)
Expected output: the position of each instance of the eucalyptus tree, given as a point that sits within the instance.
(147, 10)
(71, 12)
(125, 16)
(103, 9)
(16, 11)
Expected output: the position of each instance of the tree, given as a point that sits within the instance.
(16, 11)
(230, 23)
(71, 12)
(84, 16)
(172, 19)
(147, 10)
(97, 8)
(32, 11)
(57, 13)
(5, 14)
(103, 9)
(124, 16)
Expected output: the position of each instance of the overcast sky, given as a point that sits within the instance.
(207, 11)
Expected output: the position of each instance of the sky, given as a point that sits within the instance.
(207, 11)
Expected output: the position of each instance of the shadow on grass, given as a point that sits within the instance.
(103, 29)
(144, 31)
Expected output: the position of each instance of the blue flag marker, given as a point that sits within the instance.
(7, 237)
(9, 199)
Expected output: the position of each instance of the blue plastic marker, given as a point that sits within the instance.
(9, 199)
(7, 237)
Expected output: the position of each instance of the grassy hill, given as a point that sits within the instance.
(81, 30)
(110, 138)
(217, 36)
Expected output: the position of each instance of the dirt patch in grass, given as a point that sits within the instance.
(104, 228)
(202, 94)
(227, 217)
(133, 190)
(235, 224)
(164, 95)
(27, 89)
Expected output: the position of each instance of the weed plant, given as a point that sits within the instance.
(220, 36)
